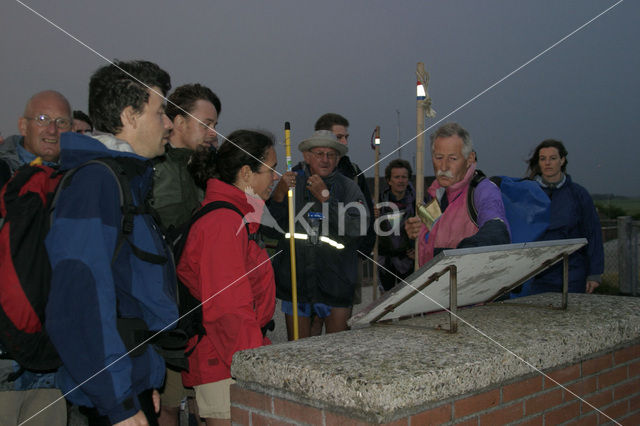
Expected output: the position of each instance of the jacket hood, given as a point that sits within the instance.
(9, 150)
(77, 149)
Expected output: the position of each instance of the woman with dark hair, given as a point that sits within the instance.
(573, 215)
(223, 266)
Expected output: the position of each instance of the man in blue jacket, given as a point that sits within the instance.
(95, 287)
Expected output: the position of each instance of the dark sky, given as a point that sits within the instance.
(277, 61)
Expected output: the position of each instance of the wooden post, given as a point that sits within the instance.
(376, 200)
(627, 256)
(420, 96)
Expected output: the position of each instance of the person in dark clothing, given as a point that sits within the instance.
(327, 237)
(126, 104)
(82, 123)
(397, 204)
(339, 126)
(573, 215)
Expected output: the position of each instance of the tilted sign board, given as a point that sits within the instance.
(483, 274)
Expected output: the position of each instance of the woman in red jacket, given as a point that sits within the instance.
(224, 268)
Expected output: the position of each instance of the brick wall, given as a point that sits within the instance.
(610, 382)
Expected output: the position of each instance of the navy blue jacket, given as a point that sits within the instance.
(88, 292)
(573, 215)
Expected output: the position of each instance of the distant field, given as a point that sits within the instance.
(630, 205)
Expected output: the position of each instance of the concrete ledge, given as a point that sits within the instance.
(386, 371)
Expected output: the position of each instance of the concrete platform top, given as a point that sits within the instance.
(389, 367)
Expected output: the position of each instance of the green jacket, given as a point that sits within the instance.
(175, 194)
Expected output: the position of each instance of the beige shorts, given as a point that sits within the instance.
(174, 392)
(19, 406)
(214, 399)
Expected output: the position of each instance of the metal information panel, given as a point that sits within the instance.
(479, 274)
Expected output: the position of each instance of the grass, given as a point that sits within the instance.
(622, 206)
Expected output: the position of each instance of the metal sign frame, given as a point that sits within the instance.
(384, 308)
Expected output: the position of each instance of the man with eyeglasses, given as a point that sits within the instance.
(46, 115)
(333, 220)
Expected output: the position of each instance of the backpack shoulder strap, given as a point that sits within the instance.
(215, 205)
(128, 207)
(478, 177)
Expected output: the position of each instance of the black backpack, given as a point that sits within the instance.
(26, 205)
(190, 308)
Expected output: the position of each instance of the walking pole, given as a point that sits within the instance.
(420, 96)
(376, 200)
(423, 107)
(292, 230)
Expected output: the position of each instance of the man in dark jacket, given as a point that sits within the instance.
(339, 126)
(95, 289)
(193, 110)
(332, 219)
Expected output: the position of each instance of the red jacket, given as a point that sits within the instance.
(220, 264)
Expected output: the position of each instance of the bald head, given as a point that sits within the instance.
(46, 115)
(46, 97)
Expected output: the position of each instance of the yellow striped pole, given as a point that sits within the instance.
(292, 230)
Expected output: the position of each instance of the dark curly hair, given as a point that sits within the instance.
(534, 161)
(185, 97)
(79, 115)
(242, 147)
(398, 163)
(114, 87)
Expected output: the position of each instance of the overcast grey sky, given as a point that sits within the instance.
(277, 61)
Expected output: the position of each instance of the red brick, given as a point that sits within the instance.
(599, 400)
(632, 420)
(588, 420)
(542, 402)
(296, 411)
(626, 354)
(502, 416)
(562, 414)
(581, 388)
(239, 416)
(520, 389)
(260, 420)
(533, 421)
(562, 376)
(469, 422)
(634, 404)
(332, 419)
(634, 369)
(612, 377)
(595, 365)
(438, 415)
(626, 389)
(476, 403)
(401, 422)
(615, 411)
(250, 398)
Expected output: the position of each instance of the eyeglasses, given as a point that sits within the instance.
(43, 120)
(330, 155)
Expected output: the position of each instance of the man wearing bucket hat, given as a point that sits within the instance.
(331, 219)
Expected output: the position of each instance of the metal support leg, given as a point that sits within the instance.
(453, 299)
(565, 281)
